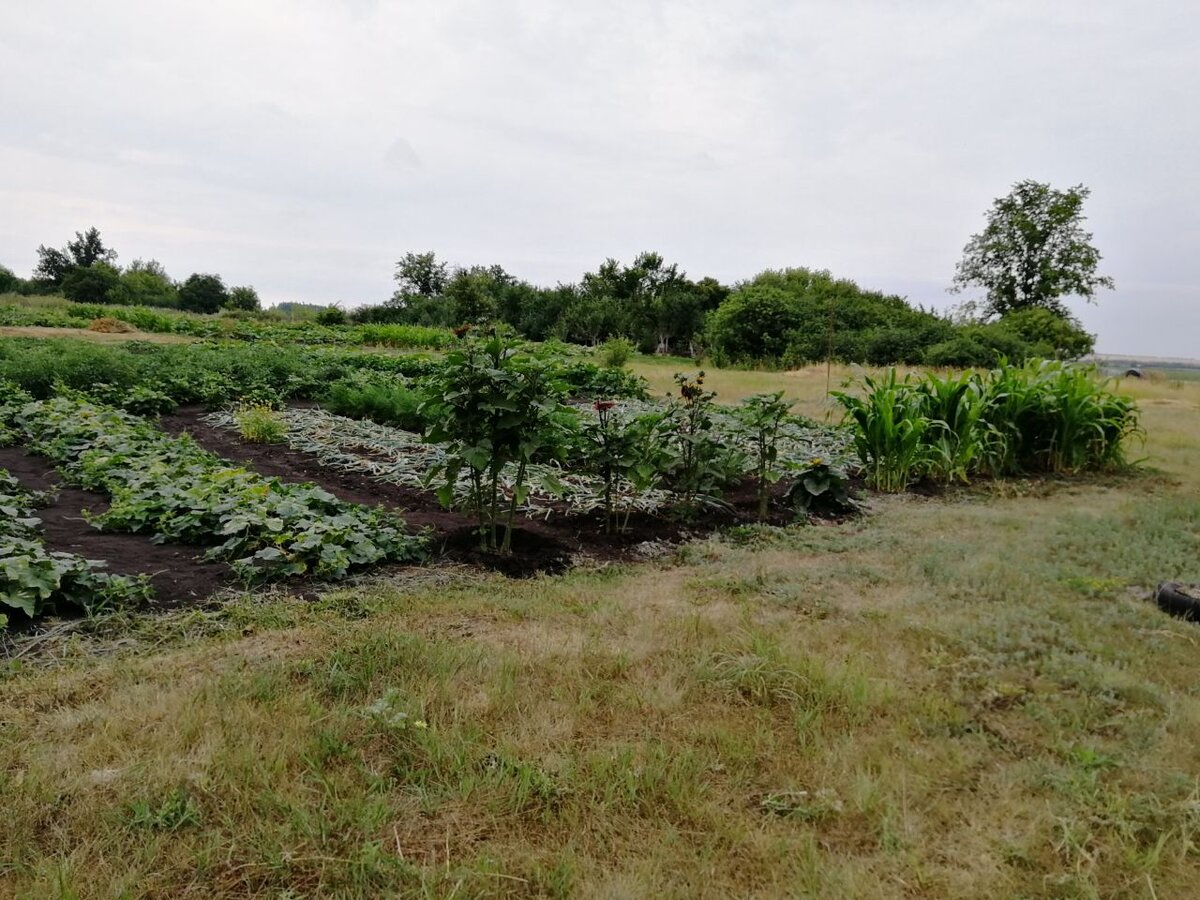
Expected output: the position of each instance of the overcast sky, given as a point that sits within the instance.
(302, 147)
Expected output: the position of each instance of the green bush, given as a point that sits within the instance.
(615, 352)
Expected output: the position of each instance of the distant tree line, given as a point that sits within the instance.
(1032, 253)
(785, 317)
(86, 271)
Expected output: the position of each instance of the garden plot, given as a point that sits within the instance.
(396, 456)
(174, 491)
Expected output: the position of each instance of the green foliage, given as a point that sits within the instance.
(203, 294)
(259, 423)
(889, 424)
(91, 284)
(704, 461)
(36, 581)
(629, 453)
(492, 405)
(615, 352)
(243, 298)
(753, 325)
(1043, 416)
(145, 283)
(1049, 334)
(821, 487)
(761, 417)
(380, 397)
(171, 488)
(403, 336)
(1033, 251)
(331, 315)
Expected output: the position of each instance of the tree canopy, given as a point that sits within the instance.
(203, 293)
(1033, 251)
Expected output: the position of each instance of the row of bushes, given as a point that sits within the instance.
(233, 325)
(1044, 416)
(795, 317)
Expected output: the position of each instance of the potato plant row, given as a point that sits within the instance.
(174, 490)
(35, 580)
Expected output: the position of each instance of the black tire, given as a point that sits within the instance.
(1174, 599)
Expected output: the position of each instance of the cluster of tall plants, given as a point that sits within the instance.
(1044, 416)
(492, 404)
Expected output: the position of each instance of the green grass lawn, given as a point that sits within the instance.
(960, 696)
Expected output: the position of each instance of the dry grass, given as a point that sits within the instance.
(957, 697)
(84, 334)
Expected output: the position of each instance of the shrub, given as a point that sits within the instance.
(821, 487)
(760, 418)
(331, 315)
(1049, 334)
(629, 453)
(615, 352)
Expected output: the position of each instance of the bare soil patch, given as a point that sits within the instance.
(179, 576)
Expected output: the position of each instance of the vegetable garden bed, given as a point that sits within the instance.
(362, 462)
(176, 575)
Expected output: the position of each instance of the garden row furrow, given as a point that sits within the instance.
(36, 580)
(171, 488)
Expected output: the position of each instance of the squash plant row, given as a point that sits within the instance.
(36, 580)
(173, 489)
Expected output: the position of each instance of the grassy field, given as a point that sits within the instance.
(959, 696)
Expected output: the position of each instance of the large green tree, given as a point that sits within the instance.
(203, 293)
(87, 248)
(1033, 251)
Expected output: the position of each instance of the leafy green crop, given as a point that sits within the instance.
(175, 490)
(35, 580)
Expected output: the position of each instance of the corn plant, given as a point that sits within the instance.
(957, 435)
(890, 428)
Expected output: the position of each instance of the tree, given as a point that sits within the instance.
(1033, 251)
(203, 293)
(421, 274)
(753, 324)
(92, 284)
(87, 248)
(243, 298)
(146, 283)
(9, 282)
(53, 266)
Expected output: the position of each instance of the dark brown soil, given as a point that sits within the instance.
(175, 571)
